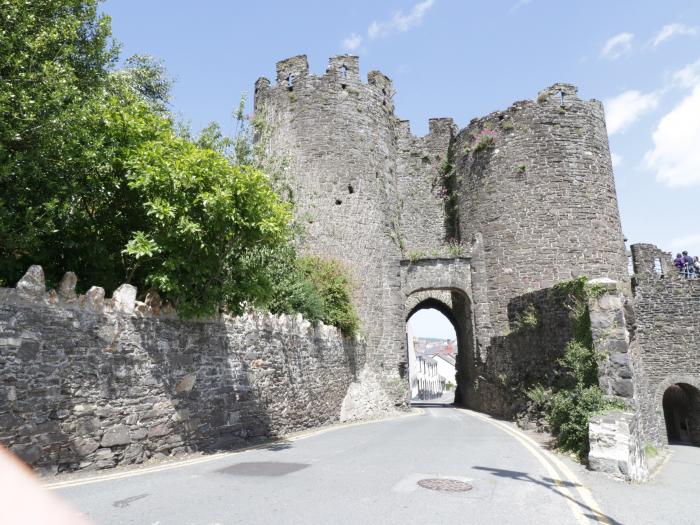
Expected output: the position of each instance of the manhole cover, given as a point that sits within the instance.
(445, 485)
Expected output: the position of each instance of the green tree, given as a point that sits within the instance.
(203, 215)
(55, 60)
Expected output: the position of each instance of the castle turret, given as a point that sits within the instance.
(337, 135)
(537, 195)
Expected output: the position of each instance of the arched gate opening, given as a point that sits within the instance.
(438, 343)
(681, 406)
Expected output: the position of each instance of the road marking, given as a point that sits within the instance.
(547, 459)
(221, 455)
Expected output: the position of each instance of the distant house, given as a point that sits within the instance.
(426, 382)
(446, 368)
(430, 384)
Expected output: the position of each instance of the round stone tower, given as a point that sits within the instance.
(336, 134)
(537, 200)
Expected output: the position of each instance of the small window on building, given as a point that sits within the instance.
(630, 265)
(343, 71)
(338, 202)
(658, 269)
(351, 189)
(290, 82)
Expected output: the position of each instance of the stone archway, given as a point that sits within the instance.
(681, 407)
(456, 307)
(444, 283)
(678, 410)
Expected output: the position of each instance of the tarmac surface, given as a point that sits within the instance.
(439, 465)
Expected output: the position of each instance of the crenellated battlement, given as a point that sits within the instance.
(341, 70)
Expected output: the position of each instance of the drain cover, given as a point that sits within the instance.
(445, 485)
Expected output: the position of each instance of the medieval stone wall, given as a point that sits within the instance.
(536, 191)
(89, 383)
(539, 328)
(422, 203)
(530, 190)
(337, 135)
(666, 346)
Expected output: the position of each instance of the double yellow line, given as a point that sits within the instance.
(585, 508)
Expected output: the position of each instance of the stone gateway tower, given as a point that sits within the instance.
(463, 221)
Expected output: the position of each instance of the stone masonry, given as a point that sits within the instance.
(524, 197)
(89, 383)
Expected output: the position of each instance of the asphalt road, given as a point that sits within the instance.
(366, 473)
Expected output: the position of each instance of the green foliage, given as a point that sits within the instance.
(95, 177)
(316, 287)
(334, 287)
(569, 412)
(54, 64)
(528, 318)
(522, 168)
(507, 125)
(202, 215)
(577, 395)
(147, 76)
(485, 142)
(540, 395)
(650, 451)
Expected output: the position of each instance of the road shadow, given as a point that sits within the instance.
(424, 404)
(553, 485)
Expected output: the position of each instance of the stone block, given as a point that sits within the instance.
(66, 288)
(613, 446)
(28, 350)
(114, 436)
(159, 430)
(29, 453)
(186, 384)
(95, 298)
(138, 434)
(124, 299)
(84, 446)
(154, 302)
(32, 284)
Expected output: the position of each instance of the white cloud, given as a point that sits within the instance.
(689, 76)
(676, 156)
(518, 5)
(670, 30)
(617, 45)
(616, 159)
(624, 109)
(352, 42)
(400, 22)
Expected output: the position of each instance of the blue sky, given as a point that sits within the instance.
(464, 59)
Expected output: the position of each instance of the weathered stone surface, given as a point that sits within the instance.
(30, 453)
(186, 383)
(32, 283)
(665, 350)
(124, 299)
(527, 207)
(615, 447)
(154, 302)
(84, 446)
(66, 288)
(95, 298)
(133, 386)
(118, 435)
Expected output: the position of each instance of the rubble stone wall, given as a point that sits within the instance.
(91, 384)
(666, 340)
